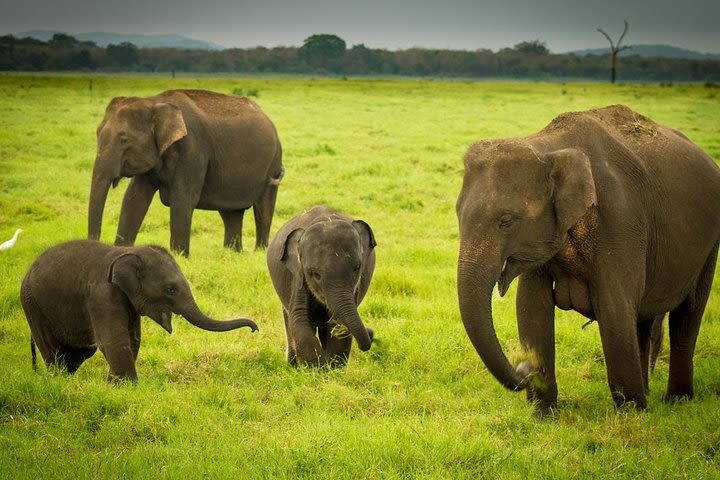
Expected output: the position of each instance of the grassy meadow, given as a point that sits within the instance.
(420, 403)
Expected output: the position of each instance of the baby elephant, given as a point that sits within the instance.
(83, 295)
(321, 263)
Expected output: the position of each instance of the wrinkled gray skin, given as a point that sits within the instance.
(321, 263)
(200, 149)
(84, 295)
(603, 212)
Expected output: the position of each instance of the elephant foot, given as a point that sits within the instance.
(674, 397)
(629, 402)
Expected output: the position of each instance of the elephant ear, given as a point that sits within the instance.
(291, 253)
(573, 186)
(366, 234)
(125, 272)
(291, 259)
(168, 125)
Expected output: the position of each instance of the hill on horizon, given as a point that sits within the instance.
(103, 39)
(667, 51)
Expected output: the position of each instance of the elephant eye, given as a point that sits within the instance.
(171, 290)
(124, 139)
(506, 221)
(356, 268)
(315, 274)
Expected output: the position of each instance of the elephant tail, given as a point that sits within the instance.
(34, 355)
(276, 180)
(278, 158)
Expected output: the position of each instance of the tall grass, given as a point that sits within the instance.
(419, 403)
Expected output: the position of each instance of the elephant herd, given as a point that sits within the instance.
(604, 212)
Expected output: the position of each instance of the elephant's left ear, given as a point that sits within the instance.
(573, 186)
(126, 272)
(168, 125)
(291, 252)
(366, 233)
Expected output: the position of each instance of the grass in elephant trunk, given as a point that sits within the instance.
(423, 405)
(339, 330)
(524, 355)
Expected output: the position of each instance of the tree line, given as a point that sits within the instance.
(329, 55)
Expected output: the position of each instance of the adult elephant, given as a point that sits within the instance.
(603, 212)
(200, 149)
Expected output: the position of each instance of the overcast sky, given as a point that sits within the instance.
(393, 24)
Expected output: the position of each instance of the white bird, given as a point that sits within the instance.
(11, 243)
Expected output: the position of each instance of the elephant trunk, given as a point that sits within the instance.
(192, 314)
(477, 274)
(343, 308)
(98, 195)
(106, 172)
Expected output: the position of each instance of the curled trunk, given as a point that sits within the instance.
(193, 315)
(344, 310)
(476, 280)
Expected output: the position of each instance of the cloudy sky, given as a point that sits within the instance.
(393, 24)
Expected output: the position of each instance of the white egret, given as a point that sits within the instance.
(11, 243)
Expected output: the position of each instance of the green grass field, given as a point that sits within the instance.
(420, 403)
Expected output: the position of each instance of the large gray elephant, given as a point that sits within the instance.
(603, 212)
(321, 263)
(200, 149)
(83, 295)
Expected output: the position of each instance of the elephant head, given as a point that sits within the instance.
(155, 286)
(328, 260)
(131, 140)
(514, 211)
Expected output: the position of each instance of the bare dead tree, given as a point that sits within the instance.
(615, 48)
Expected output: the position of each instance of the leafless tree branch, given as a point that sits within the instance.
(612, 45)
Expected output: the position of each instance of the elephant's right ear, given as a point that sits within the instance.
(168, 125)
(291, 252)
(125, 272)
(573, 186)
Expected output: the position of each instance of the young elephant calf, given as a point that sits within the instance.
(84, 295)
(321, 263)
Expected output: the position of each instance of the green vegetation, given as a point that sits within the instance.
(323, 54)
(419, 403)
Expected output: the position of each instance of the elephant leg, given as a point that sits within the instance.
(233, 220)
(645, 330)
(656, 340)
(119, 355)
(617, 322)
(535, 307)
(263, 211)
(50, 348)
(291, 352)
(180, 223)
(336, 348)
(135, 205)
(684, 326)
(111, 324)
(308, 350)
(134, 330)
(75, 356)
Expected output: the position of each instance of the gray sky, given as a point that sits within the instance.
(393, 24)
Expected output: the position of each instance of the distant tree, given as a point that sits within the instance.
(79, 60)
(124, 54)
(62, 40)
(535, 47)
(323, 46)
(615, 49)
